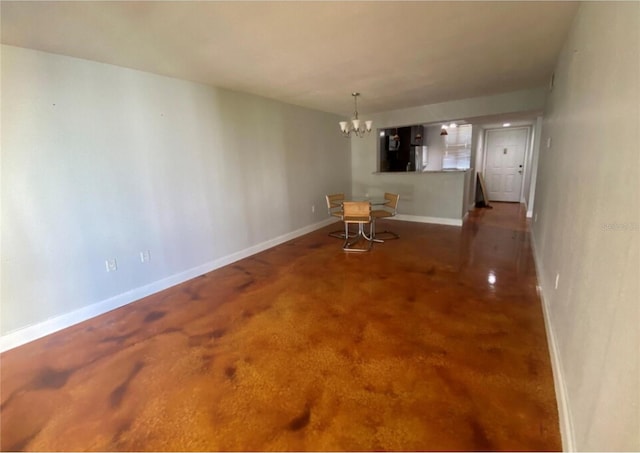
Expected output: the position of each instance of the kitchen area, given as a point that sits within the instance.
(429, 166)
(423, 148)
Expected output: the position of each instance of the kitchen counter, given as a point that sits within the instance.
(437, 196)
(416, 172)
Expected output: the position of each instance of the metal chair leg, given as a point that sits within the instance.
(372, 231)
(339, 234)
(376, 237)
(347, 246)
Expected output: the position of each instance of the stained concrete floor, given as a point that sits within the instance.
(435, 341)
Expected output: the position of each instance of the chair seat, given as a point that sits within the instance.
(358, 212)
(381, 213)
(389, 210)
(356, 219)
(337, 214)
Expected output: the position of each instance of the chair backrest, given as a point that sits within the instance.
(392, 200)
(357, 211)
(334, 202)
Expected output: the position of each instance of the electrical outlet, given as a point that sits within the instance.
(313, 208)
(145, 256)
(535, 217)
(548, 142)
(557, 280)
(111, 265)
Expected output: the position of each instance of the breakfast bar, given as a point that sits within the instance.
(433, 196)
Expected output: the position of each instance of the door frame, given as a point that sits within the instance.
(527, 151)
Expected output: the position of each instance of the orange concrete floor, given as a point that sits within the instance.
(435, 341)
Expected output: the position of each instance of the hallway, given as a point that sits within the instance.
(435, 341)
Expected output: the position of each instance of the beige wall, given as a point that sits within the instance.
(587, 228)
(102, 162)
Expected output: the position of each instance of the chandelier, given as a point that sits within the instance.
(354, 126)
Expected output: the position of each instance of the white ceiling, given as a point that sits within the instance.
(312, 54)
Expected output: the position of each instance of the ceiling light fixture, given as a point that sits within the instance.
(354, 126)
(443, 130)
(506, 124)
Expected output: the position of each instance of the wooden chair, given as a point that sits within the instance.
(387, 210)
(334, 206)
(356, 212)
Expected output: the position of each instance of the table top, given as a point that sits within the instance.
(375, 201)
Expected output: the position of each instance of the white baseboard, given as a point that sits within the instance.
(425, 219)
(529, 209)
(564, 412)
(24, 335)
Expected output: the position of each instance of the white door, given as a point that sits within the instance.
(504, 165)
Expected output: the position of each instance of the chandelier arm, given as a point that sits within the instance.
(354, 125)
